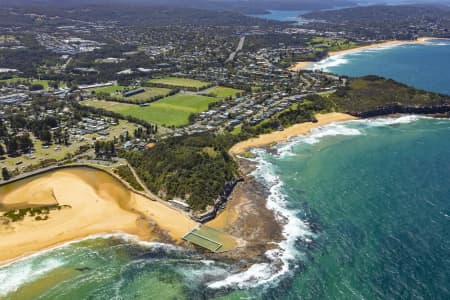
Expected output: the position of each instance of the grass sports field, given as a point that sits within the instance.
(180, 82)
(117, 90)
(173, 110)
(108, 89)
(222, 92)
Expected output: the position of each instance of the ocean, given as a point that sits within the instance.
(422, 66)
(368, 210)
(366, 206)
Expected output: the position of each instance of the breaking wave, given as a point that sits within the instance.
(294, 228)
(27, 269)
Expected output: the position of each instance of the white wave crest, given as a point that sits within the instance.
(29, 268)
(329, 130)
(14, 277)
(329, 62)
(404, 119)
(119, 235)
(293, 229)
(438, 42)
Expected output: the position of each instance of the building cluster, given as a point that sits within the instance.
(67, 45)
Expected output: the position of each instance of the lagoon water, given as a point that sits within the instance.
(369, 210)
(281, 15)
(422, 66)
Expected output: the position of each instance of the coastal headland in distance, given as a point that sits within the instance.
(302, 65)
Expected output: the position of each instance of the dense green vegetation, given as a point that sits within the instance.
(125, 173)
(384, 22)
(39, 213)
(194, 168)
(372, 92)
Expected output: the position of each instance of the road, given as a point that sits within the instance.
(238, 48)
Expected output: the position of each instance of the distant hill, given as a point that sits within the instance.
(125, 14)
(250, 6)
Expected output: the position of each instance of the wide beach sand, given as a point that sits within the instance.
(295, 130)
(305, 64)
(98, 204)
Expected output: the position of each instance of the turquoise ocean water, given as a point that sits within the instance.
(367, 211)
(423, 66)
(368, 204)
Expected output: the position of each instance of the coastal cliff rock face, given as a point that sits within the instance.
(372, 96)
(400, 109)
(246, 217)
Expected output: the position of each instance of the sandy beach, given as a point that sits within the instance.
(301, 65)
(98, 205)
(305, 64)
(295, 130)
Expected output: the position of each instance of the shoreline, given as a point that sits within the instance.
(421, 41)
(287, 133)
(96, 198)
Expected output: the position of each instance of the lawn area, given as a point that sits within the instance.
(179, 82)
(173, 110)
(332, 44)
(44, 83)
(117, 90)
(107, 89)
(222, 92)
(147, 95)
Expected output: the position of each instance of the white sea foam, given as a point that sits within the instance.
(294, 228)
(28, 268)
(404, 119)
(342, 59)
(330, 62)
(15, 276)
(433, 43)
(119, 235)
(315, 136)
(329, 130)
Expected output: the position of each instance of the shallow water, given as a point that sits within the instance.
(422, 66)
(368, 208)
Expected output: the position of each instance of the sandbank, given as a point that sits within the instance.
(295, 130)
(98, 204)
